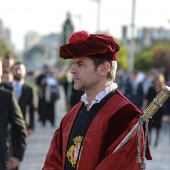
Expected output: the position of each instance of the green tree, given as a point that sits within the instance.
(143, 60)
(122, 57)
(158, 56)
(161, 54)
(4, 50)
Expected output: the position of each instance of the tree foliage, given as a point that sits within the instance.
(158, 56)
(144, 60)
(161, 57)
(122, 57)
(4, 50)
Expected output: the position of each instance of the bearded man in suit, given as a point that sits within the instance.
(10, 113)
(24, 94)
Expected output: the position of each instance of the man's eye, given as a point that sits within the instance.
(80, 64)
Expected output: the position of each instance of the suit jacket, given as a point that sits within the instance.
(109, 127)
(6, 86)
(26, 100)
(136, 96)
(10, 113)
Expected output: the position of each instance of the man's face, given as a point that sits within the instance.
(6, 63)
(84, 74)
(6, 78)
(18, 71)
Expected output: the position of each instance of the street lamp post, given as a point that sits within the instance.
(98, 14)
(132, 42)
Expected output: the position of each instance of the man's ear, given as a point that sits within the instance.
(104, 68)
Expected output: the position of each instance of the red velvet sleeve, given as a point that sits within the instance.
(124, 158)
(53, 159)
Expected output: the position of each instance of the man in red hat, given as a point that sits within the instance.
(92, 129)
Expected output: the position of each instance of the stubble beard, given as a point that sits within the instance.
(89, 85)
(77, 87)
(17, 78)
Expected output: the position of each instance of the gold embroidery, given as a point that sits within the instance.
(73, 152)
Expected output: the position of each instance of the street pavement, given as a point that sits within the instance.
(161, 154)
(39, 143)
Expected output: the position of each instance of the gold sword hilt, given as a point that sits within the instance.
(147, 114)
(156, 103)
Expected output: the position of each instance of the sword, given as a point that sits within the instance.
(147, 114)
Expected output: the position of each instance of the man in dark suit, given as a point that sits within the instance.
(46, 109)
(134, 90)
(41, 84)
(11, 113)
(24, 94)
(6, 80)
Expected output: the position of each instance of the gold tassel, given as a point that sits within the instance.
(143, 164)
(140, 130)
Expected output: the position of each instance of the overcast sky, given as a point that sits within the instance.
(47, 16)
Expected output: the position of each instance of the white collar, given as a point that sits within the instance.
(100, 95)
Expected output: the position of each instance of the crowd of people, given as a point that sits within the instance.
(141, 88)
(94, 88)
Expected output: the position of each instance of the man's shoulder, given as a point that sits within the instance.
(40, 76)
(6, 86)
(124, 101)
(5, 93)
(26, 86)
(121, 96)
(73, 112)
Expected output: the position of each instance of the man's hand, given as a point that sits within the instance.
(12, 163)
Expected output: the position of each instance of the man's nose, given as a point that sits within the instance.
(72, 70)
(19, 71)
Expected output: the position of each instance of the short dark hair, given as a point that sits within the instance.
(17, 63)
(113, 66)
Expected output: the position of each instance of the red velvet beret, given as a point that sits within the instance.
(83, 44)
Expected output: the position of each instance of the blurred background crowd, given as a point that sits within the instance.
(143, 71)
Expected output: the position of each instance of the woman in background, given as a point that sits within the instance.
(155, 122)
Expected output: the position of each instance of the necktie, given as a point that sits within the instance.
(17, 89)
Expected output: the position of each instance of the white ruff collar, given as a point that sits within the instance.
(99, 96)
